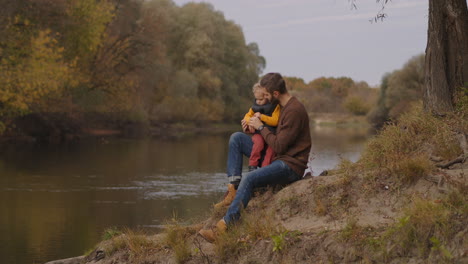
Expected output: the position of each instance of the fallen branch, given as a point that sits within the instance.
(450, 163)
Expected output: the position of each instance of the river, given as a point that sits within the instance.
(56, 201)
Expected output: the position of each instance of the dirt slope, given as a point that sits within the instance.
(326, 219)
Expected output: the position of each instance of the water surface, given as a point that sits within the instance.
(56, 201)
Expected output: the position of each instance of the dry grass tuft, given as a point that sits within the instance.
(137, 245)
(176, 238)
(401, 151)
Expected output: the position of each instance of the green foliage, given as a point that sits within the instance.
(110, 233)
(279, 241)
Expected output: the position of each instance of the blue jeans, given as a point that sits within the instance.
(275, 173)
(240, 144)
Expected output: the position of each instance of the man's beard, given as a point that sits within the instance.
(274, 100)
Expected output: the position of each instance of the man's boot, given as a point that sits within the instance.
(210, 235)
(228, 197)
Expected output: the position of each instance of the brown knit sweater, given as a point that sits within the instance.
(291, 142)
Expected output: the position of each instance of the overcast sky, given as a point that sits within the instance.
(314, 38)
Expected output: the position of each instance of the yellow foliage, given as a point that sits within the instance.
(25, 80)
(356, 105)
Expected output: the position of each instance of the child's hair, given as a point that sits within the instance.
(256, 87)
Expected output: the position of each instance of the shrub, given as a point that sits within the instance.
(356, 105)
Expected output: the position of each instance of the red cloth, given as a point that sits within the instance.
(256, 154)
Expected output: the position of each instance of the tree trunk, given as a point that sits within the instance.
(446, 69)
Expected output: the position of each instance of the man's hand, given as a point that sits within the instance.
(255, 122)
(245, 126)
(258, 114)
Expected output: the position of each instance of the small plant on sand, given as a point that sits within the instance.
(110, 233)
(279, 241)
(282, 240)
(176, 238)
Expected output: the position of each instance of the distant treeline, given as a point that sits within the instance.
(71, 62)
(397, 91)
(334, 95)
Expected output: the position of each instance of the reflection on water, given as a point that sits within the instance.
(331, 144)
(55, 201)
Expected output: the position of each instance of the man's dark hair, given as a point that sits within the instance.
(273, 81)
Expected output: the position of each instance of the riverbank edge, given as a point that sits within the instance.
(135, 131)
(162, 130)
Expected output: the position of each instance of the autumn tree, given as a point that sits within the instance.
(121, 62)
(294, 83)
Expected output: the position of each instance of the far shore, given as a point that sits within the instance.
(169, 130)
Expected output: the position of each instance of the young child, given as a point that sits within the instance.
(269, 115)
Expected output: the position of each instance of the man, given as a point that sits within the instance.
(291, 143)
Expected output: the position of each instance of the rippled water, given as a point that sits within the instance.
(55, 201)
